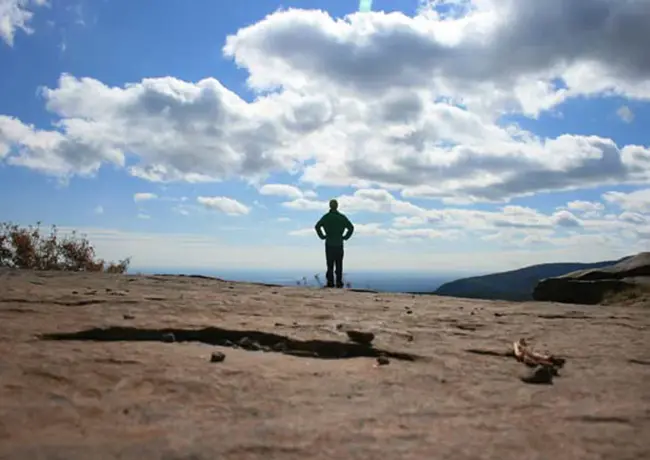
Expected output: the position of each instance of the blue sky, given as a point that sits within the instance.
(457, 135)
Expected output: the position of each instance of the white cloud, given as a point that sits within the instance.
(224, 204)
(195, 132)
(585, 209)
(284, 190)
(144, 216)
(638, 201)
(139, 197)
(625, 114)
(409, 104)
(634, 218)
(385, 70)
(509, 225)
(410, 215)
(585, 206)
(16, 15)
(375, 229)
(500, 44)
(99, 209)
(53, 152)
(565, 219)
(403, 221)
(371, 200)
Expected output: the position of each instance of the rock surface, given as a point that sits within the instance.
(626, 280)
(80, 381)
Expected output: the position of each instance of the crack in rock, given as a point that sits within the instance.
(485, 352)
(258, 340)
(68, 303)
(598, 419)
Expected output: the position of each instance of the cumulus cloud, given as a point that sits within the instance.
(285, 190)
(507, 226)
(179, 130)
(372, 200)
(391, 233)
(584, 209)
(625, 114)
(638, 201)
(224, 204)
(139, 197)
(499, 43)
(585, 206)
(408, 104)
(387, 68)
(409, 215)
(404, 221)
(634, 218)
(53, 152)
(16, 15)
(565, 219)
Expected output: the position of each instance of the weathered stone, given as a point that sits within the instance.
(594, 286)
(383, 361)
(217, 357)
(541, 375)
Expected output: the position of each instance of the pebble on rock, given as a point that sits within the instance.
(217, 357)
(168, 337)
(543, 375)
(382, 361)
(244, 342)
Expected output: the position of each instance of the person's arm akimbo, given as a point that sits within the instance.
(350, 229)
(319, 229)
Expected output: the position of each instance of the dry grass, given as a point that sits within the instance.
(30, 248)
(304, 281)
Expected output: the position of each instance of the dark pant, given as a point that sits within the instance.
(334, 256)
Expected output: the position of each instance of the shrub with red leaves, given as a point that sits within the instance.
(29, 248)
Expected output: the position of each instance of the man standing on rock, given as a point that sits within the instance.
(334, 223)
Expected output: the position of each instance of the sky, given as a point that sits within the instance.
(460, 135)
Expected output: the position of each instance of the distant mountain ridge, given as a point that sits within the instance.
(513, 285)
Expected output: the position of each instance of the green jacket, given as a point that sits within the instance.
(334, 223)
